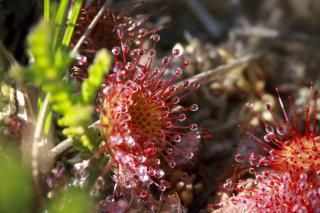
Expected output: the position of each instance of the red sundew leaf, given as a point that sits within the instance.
(285, 145)
(143, 129)
(189, 144)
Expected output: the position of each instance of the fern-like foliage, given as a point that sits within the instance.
(47, 71)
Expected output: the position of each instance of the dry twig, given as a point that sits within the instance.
(210, 75)
(68, 143)
(91, 25)
(210, 24)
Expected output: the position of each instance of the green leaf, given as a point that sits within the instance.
(97, 71)
(47, 123)
(77, 116)
(73, 201)
(72, 23)
(46, 10)
(59, 23)
(16, 193)
(47, 71)
(49, 66)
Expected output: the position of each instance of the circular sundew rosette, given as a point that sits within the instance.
(141, 119)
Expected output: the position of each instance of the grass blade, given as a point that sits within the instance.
(46, 10)
(59, 22)
(71, 25)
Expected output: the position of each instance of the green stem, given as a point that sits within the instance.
(37, 136)
(71, 25)
(59, 23)
(91, 26)
(46, 10)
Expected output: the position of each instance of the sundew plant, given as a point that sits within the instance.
(159, 106)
